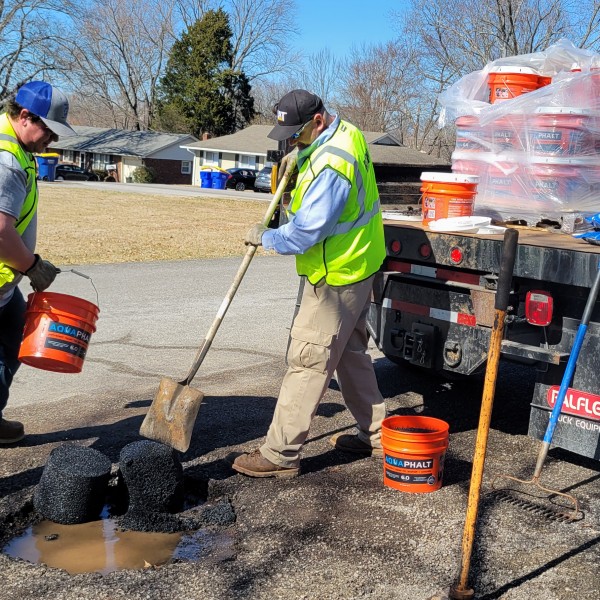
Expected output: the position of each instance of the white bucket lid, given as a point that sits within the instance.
(514, 69)
(449, 177)
(565, 110)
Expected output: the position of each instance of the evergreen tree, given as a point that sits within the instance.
(200, 91)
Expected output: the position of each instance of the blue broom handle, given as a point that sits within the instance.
(566, 380)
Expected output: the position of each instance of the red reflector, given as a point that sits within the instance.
(396, 246)
(456, 255)
(425, 250)
(538, 307)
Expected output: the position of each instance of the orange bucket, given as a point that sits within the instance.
(447, 195)
(509, 82)
(414, 448)
(57, 332)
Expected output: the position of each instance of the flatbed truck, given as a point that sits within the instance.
(433, 307)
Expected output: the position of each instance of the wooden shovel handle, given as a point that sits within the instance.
(210, 336)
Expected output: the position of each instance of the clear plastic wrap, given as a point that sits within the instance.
(536, 147)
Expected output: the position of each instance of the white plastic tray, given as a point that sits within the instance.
(460, 224)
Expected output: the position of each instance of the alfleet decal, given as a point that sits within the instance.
(576, 402)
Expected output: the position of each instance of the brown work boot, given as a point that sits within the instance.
(347, 442)
(256, 465)
(11, 431)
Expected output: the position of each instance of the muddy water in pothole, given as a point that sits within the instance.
(99, 546)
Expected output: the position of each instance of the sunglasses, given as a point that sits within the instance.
(35, 119)
(298, 133)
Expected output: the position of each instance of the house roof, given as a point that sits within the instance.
(385, 147)
(120, 142)
(251, 140)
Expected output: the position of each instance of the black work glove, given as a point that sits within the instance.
(254, 235)
(41, 274)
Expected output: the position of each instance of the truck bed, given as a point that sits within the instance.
(542, 254)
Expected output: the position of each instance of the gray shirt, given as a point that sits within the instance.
(13, 190)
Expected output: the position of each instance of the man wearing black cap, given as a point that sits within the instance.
(35, 117)
(335, 230)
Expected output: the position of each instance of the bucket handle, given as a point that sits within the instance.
(85, 277)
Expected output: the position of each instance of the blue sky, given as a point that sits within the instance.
(340, 24)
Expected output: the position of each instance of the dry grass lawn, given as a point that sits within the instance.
(81, 225)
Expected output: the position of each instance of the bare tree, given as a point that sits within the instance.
(321, 75)
(376, 86)
(28, 40)
(120, 49)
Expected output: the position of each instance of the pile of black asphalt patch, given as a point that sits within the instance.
(153, 477)
(73, 485)
(74, 488)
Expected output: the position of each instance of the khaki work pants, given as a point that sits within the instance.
(329, 334)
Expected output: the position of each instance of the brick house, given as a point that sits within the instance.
(397, 167)
(120, 152)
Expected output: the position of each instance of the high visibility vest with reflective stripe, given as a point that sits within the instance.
(356, 247)
(9, 143)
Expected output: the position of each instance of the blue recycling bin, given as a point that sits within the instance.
(219, 179)
(47, 166)
(206, 179)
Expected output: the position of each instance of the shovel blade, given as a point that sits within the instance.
(172, 414)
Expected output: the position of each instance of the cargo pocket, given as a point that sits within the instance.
(309, 349)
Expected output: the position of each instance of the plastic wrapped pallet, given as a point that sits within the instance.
(529, 127)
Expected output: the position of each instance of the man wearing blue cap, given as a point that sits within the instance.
(35, 117)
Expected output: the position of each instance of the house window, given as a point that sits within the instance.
(186, 167)
(68, 156)
(100, 161)
(211, 158)
(247, 162)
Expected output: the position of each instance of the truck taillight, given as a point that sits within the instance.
(538, 307)
(395, 246)
(425, 250)
(456, 255)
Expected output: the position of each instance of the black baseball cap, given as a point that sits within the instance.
(293, 111)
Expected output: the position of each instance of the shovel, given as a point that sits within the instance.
(172, 414)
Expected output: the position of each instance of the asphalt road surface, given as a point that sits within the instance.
(335, 532)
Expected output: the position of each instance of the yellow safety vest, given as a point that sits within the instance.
(356, 247)
(9, 143)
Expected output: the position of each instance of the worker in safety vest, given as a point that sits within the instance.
(34, 118)
(335, 230)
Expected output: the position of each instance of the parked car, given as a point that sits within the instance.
(241, 179)
(74, 172)
(263, 180)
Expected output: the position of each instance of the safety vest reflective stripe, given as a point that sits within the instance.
(362, 220)
(9, 143)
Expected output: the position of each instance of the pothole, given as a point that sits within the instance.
(144, 515)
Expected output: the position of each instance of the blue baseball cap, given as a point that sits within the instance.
(48, 103)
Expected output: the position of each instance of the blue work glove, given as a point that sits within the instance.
(254, 235)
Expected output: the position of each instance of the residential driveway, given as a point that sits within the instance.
(335, 532)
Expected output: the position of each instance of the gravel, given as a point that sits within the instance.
(335, 532)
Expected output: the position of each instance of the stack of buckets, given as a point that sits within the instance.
(544, 161)
(414, 448)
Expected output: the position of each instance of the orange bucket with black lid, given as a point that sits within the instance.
(414, 448)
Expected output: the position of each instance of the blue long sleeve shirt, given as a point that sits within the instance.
(322, 205)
